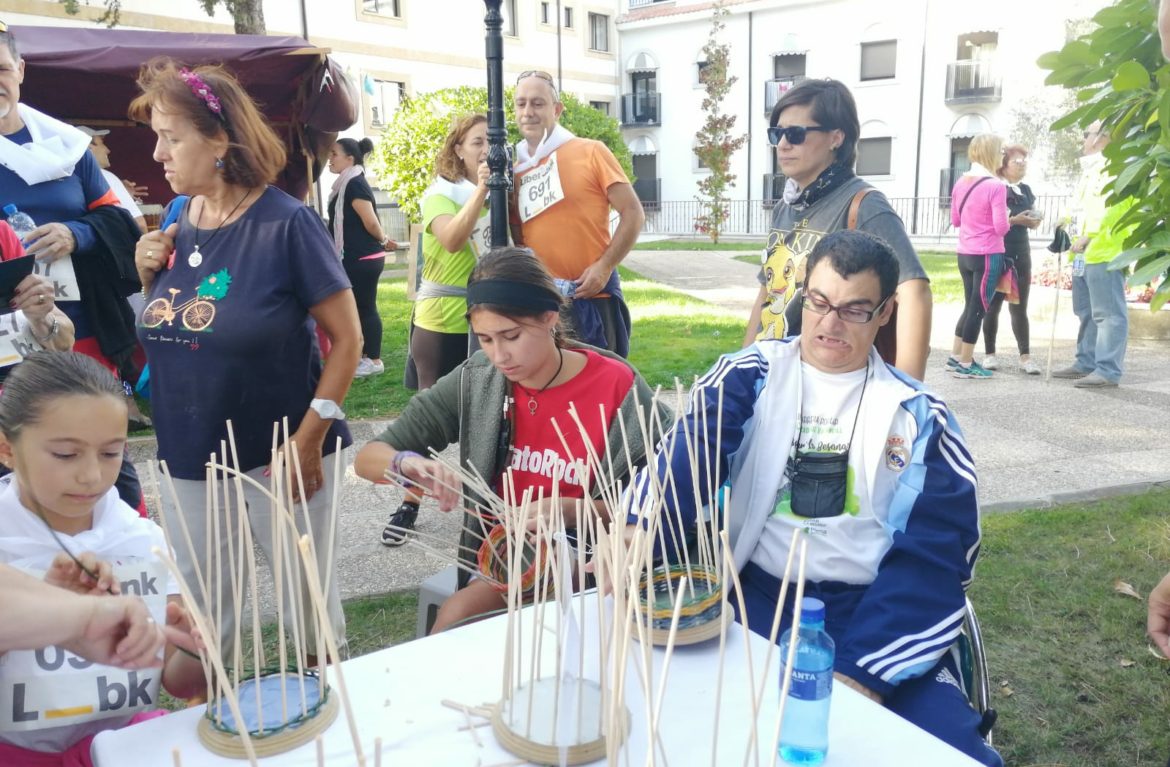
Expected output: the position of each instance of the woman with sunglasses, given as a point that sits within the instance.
(503, 406)
(815, 130)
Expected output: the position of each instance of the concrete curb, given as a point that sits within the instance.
(1080, 496)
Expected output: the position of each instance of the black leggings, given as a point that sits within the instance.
(1018, 312)
(364, 276)
(435, 354)
(971, 270)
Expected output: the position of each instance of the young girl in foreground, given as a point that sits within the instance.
(513, 305)
(62, 430)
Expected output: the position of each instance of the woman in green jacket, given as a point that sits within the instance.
(500, 407)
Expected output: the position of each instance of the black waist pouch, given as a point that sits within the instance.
(817, 483)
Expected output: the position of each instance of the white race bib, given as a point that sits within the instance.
(480, 238)
(540, 189)
(50, 687)
(61, 274)
(13, 345)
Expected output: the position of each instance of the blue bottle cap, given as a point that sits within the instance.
(9, 209)
(812, 610)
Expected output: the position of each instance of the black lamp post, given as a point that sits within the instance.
(497, 132)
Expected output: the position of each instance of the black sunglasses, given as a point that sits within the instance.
(794, 133)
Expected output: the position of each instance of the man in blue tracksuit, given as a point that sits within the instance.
(819, 434)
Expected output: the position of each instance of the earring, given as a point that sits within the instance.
(219, 163)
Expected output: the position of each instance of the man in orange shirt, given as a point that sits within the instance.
(565, 188)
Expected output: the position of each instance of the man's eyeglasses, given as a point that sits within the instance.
(794, 133)
(853, 314)
(541, 74)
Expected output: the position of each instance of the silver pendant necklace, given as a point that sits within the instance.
(196, 258)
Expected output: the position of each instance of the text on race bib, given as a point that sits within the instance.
(61, 274)
(51, 687)
(540, 189)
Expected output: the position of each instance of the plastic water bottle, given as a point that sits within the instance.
(1078, 268)
(804, 732)
(21, 223)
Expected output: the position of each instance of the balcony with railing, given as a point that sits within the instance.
(775, 88)
(973, 82)
(643, 108)
(773, 188)
(649, 191)
(643, 3)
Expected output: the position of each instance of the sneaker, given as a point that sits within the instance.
(974, 370)
(367, 367)
(1072, 372)
(401, 523)
(990, 362)
(1030, 368)
(952, 362)
(1094, 381)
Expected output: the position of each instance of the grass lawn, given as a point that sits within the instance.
(703, 244)
(674, 335)
(384, 396)
(1073, 679)
(945, 283)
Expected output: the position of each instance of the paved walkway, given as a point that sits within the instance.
(1034, 443)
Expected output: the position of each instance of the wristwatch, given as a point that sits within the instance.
(327, 409)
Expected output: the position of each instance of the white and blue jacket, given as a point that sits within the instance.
(923, 525)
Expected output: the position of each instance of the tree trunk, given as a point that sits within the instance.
(249, 16)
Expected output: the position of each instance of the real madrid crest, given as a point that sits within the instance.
(897, 456)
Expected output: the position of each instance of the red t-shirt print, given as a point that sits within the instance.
(539, 457)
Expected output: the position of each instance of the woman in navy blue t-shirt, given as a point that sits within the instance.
(233, 288)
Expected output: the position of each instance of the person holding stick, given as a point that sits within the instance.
(62, 430)
(508, 408)
(816, 433)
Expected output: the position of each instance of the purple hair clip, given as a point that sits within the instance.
(202, 90)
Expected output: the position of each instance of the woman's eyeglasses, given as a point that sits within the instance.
(853, 314)
(795, 134)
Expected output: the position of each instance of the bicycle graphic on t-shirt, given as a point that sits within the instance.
(196, 313)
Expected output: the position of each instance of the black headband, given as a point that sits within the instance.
(519, 295)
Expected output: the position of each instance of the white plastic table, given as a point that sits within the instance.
(397, 694)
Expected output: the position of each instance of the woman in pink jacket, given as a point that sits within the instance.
(979, 211)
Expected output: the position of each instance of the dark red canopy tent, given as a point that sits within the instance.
(86, 76)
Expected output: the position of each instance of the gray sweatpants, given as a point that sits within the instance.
(202, 560)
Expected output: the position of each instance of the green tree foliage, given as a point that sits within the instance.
(404, 158)
(1118, 74)
(714, 143)
(248, 15)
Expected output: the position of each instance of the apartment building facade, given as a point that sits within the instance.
(927, 75)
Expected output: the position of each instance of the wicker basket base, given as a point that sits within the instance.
(529, 731)
(232, 746)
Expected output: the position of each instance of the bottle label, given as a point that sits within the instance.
(811, 685)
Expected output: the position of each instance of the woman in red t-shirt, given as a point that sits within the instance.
(500, 406)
